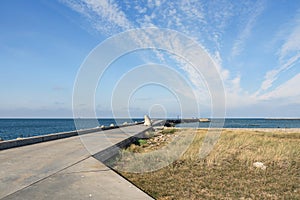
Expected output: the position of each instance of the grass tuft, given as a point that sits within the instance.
(169, 131)
(142, 142)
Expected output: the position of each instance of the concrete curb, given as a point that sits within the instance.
(55, 136)
(114, 150)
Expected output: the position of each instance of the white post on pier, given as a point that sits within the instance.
(147, 121)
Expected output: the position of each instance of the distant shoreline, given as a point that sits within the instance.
(234, 129)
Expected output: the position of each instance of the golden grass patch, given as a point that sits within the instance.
(228, 171)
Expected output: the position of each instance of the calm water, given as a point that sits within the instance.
(250, 123)
(14, 128)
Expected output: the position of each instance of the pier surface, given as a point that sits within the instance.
(67, 168)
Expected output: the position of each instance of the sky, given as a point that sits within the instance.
(254, 45)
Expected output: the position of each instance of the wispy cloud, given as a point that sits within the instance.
(239, 43)
(292, 43)
(288, 91)
(204, 21)
(272, 75)
(288, 55)
(105, 16)
(200, 20)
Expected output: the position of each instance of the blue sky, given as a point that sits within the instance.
(255, 45)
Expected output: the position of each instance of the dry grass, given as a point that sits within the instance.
(228, 172)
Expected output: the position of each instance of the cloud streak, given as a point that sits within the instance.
(239, 44)
(288, 56)
(288, 90)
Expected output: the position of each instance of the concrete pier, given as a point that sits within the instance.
(67, 169)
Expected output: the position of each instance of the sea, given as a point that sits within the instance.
(246, 123)
(22, 128)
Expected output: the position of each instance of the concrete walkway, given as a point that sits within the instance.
(66, 169)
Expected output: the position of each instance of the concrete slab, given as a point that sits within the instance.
(88, 179)
(41, 170)
(23, 166)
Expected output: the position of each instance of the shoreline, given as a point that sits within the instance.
(254, 129)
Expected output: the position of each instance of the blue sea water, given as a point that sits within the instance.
(14, 128)
(247, 123)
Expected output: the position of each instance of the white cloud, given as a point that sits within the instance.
(206, 22)
(105, 16)
(191, 17)
(292, 43)
(188, 16)
(239, 44)
(288, 91)
(289, 55)
(272, 75)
